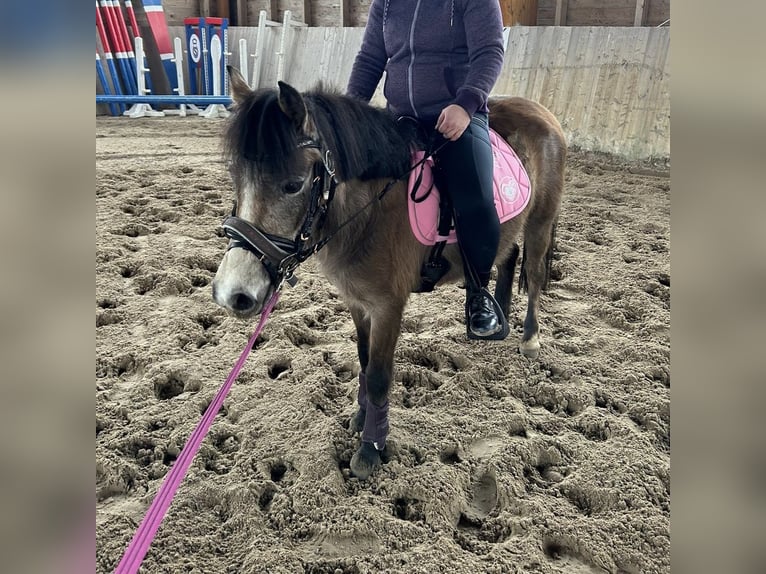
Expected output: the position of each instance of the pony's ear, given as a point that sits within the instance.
(239, 88)
(291, 103)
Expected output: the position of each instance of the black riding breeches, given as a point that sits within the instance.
(467, 167)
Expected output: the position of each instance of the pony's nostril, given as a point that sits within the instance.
(242, 302)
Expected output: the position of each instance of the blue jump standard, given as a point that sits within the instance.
(164, 99)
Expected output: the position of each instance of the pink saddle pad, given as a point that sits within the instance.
(511, 184)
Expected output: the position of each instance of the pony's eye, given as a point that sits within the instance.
(292, 187)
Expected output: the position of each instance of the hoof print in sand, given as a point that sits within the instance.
(473, 533)
(451, 455)
(108, 317)
(483, 496)
(568, 557)
(172, 384)
(277, 471)
(410, 509)
(301, 337)
(279, 369)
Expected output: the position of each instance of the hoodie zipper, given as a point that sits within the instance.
(410, 88)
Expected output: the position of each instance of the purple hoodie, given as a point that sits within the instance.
(434, 52)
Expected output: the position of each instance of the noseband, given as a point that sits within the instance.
(281, 256)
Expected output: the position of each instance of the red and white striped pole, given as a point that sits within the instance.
(122, 30)
(129, 82)
(108, 55)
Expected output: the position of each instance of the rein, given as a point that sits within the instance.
(280, 256)
(142, 539)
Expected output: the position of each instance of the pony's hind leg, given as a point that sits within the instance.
(535, 269)
(362, 324)
(384, 332)
(504, 283)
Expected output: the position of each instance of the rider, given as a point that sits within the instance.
(442, 58)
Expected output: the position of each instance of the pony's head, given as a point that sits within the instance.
(278, 143)
(270, 166)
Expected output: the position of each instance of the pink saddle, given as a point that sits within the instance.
(511, 185)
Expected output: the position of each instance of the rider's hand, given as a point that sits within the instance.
(452, 122)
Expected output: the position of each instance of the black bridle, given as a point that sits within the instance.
(281, 256)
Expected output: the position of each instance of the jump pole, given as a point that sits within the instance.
(122, 30)
(108, 55)
(132, 18)
(155, 14)
(164, 99)
(128, 80)
(104, 83)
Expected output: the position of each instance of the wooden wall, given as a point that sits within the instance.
(609, 87)
(177, 10)
(603, 12)
(354, 12)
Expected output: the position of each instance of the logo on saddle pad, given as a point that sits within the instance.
(511, 186)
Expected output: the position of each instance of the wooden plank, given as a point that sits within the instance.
(307, 12)
(658, 12)
(177, 10)
(560, 19)
(274, 11)
(241, 13)
(642, 8)
(345, 13)
(205, 9)
(603, 13)
(519, 12)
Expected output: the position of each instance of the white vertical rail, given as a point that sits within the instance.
(258, 55)
(141, 110)
(243, 58)
(178, 60)
(283, 46)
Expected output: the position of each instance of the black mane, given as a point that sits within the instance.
(366, 142)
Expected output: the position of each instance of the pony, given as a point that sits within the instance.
(320, 174)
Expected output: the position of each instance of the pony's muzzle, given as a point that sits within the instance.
(241, 285)
(239, 303)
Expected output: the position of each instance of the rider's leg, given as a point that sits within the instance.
(467, 167)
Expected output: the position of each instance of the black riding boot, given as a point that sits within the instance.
(483, 317)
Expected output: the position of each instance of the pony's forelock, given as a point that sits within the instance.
(259, 135)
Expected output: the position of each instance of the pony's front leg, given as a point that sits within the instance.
(384, 332)
(362, 324)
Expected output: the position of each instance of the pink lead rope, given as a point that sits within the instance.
(143, 537)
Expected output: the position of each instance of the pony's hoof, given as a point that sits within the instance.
(531, 348)
(356, 424)
(364, 461)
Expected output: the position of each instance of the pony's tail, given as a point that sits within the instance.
(523, 280)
